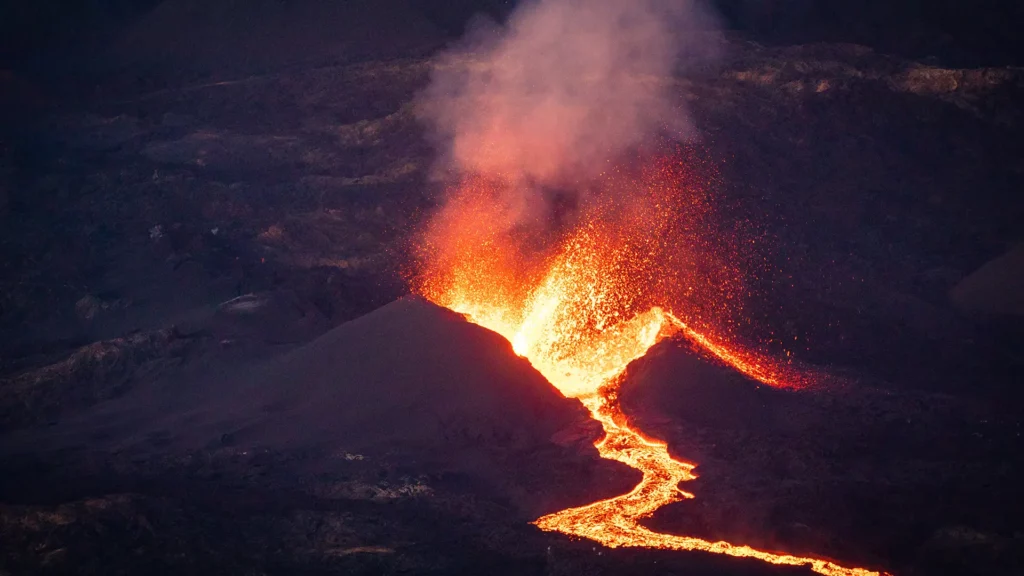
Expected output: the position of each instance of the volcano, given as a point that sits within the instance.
(317, 287)
(577, 317)
(415, 383)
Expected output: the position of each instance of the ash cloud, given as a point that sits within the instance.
(564, 88)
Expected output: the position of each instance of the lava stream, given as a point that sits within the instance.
(574, 315)
(615, 522)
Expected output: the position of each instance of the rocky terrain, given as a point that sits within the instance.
(178, 221)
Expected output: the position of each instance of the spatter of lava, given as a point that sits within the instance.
(582, 308)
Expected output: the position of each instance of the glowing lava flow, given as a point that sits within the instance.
(616, 521)
(574, 317)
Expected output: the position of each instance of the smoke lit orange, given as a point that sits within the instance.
(581, 308)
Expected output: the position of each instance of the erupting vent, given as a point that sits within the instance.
(581, 311)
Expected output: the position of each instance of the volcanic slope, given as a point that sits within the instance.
(824, 471)
(410, 383)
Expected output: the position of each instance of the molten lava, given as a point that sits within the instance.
(581, 312)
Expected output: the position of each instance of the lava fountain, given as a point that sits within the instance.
(580, 309)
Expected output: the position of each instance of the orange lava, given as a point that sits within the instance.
(581, 312)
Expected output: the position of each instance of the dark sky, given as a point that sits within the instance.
(37, 34)
(961, 33)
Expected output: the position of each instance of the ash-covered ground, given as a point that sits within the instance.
(204, 368)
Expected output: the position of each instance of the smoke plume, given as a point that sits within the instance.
(563, 89)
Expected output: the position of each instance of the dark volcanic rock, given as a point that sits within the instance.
(840, 470)
(685, 386)
(229, 37)
(410, 375)
(995, 288)
(410, 384)
(91, 374)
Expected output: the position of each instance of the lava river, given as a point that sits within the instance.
(574, 317)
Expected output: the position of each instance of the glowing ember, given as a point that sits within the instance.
(581, 313)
